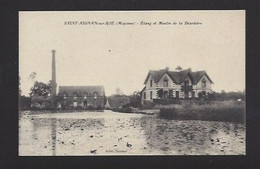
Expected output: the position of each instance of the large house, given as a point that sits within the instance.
(180, 84)
(70, 96)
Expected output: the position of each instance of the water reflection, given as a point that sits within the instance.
(109, 133)
(191, 137)
(53, 135)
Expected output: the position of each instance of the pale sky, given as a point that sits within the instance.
(121, 56)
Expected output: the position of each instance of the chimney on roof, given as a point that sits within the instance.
(178, 68)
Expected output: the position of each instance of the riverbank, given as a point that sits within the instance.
(228, 111)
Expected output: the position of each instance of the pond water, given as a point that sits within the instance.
(112, 133)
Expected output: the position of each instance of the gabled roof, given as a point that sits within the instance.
(80, 90)
(142, 90)
(177, 77)
(156, 75)
(196, 76)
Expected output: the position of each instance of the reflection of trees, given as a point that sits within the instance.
(62, 126)
(172, 135)
(50, 125)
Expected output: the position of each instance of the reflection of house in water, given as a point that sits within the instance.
(70, 96)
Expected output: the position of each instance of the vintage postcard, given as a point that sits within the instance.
(132, 83)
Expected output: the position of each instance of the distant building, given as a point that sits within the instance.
(83, 96)
(117, 101)
(70, 96)
(180, 84)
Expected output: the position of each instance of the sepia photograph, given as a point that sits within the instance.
(132, 83)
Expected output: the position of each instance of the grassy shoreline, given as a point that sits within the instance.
(216, 111)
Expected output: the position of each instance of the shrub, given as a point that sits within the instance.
(90, 108)
(167, 101)
(214, 111)
(99, 108)
(148, 104)
(125, 110)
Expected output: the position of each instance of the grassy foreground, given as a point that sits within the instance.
(215, 111)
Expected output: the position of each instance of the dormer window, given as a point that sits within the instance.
(151, 83)
(204, 83)
(186, 82)
(95, 95)
(165, 82)
(75, 95)
(85, 95)
(65, 95)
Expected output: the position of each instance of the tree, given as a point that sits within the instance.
(40, 89)
(118, 91)
(135, 99)
(32, 76)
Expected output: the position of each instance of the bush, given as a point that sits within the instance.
(125, 110)
(167, 101)
(90, 108)
(215, 111)
(148, 105)
(99, 108)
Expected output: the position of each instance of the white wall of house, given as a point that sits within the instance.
(175, 87)
(147, 85)
(150, 87)
(199, 88)
(170, 82)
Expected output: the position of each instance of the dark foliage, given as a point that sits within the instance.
(226, 96)
(24, 103)
(148, 105)
(233, 112)
(166, 101)
(135, 100)
(40, 89)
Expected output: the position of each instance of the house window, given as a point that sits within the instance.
(144, 95)
(85, 95)
(75, 96)
(65, 96)
(186, 83)
(204, 83)
(151, 83)
(95, 95)
(75, 103)
(165, 82)
(151, 95)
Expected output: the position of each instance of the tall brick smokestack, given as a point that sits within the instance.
(53, 77)
(53, 67)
